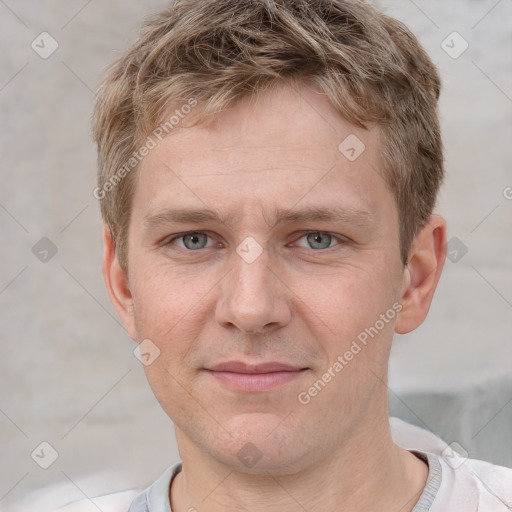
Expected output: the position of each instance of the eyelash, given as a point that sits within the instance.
(339, 239)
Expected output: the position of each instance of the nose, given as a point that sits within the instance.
(253, 298)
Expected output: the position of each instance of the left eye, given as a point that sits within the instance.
(318, 240)
(193, 241)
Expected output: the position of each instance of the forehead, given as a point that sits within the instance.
(286, 145)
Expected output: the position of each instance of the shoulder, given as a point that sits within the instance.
(63, 498)
(156, 497)
(494, 484)
(465, 483)
(115, 502)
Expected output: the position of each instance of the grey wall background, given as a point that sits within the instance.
(68, 373)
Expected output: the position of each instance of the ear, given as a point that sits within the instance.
(117, 284)
(422, 273)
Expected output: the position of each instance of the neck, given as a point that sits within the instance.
(367, 472)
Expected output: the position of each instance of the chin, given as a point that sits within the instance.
(262, 443)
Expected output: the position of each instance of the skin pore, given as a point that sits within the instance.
(318, 262)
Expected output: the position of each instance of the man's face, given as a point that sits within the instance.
(302, 258)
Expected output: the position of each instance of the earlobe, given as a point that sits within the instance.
(117, 284)
(422, 273)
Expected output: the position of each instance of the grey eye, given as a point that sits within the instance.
(319, 240)
(194, 241)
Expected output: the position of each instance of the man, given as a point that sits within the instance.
(267, 175)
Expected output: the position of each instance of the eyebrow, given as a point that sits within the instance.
(323, 214)
(311, 214)
(183, 216)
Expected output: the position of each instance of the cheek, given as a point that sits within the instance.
(348, 299)
(355, 312)
(171, 313)
(166, 295)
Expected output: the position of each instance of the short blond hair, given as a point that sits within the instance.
(214, 52)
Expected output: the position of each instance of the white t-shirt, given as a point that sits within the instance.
(454, 484)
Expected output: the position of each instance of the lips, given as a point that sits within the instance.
(254, 378)
(240, 367)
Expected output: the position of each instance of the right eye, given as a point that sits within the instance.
(193, 240)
